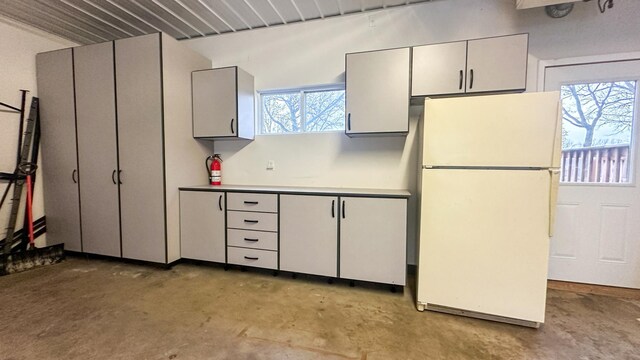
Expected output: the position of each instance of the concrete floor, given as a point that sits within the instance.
(96, 309)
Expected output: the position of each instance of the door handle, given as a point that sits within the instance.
(220, 202)
(251, 203)
(251, 258)
(119, 177)
(251, 221)
(232, 131)
(349, 121)
(74, 173)
(461, 77)
(113, 177)
(471, 80)
(553, 198)
(254, 240)
(333, 208)
(343, 213)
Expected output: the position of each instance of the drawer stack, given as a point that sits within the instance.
(252, 229)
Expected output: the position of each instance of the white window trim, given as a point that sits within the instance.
(300, 89)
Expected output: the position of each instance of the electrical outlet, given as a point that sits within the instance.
(271, 165)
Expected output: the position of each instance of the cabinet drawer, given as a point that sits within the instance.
(252, 239)
(252, 221)
(251, 257)
(252, 202)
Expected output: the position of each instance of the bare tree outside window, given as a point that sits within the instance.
(597, 129)
(303, 111)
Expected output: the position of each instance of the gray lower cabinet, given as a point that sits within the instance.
(309, 234)
(97, 148)
(202, 226)
(373, 233)
(59, 148)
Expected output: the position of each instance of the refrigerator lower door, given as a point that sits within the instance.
(484, 242)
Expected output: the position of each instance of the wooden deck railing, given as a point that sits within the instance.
(602, 164)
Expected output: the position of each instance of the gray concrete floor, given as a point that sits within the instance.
(96, 309)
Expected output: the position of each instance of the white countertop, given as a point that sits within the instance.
(301, 190)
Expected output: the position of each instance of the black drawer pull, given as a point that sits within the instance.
(248, 239)
(251, 203)
(251, 221)
(250, 258)
(460, 85)
(471, 83)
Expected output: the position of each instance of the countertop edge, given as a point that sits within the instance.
(386, 193)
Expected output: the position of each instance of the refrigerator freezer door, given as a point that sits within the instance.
(484, 241)
(516, 130)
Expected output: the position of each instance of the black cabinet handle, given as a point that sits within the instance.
(349, 121)
(251, 203)
(343, 213)
(73, 176)
(461, 76)
(333, 208)
(232, 131)
(250, 258)
(471, 80)
(113, 177)
(251, 221)
(220, 202)
(119, 173)
(254, 240)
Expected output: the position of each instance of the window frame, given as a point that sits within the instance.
(302, 90)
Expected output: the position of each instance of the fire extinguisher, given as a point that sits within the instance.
(214, 169)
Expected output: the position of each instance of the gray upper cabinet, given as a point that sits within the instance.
(59, 154)
(490, 65)
(373, 233)
(223, 103)
(97, 148)
(377, 92)
(202, 227)
(309, 234)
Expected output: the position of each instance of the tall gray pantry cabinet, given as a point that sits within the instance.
(122, 112)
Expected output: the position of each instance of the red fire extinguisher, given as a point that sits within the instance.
(214, 169)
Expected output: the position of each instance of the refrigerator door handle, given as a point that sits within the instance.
(553, 198)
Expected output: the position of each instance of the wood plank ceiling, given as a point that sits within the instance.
(93, 21)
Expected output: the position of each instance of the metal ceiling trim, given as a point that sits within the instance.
(97, 18)
(61, 32)
(246, 23)
(216, 15)
(257, 13)
(362, 8)
(134, 15)
(50, 15)
(339, 3)
(135, 2)
(73, 19)
(114, 15)
(197, 16)
(319, 10)
(293, 2)
(277, 12)
(178, 17)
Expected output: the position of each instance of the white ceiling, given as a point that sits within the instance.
(93, 21)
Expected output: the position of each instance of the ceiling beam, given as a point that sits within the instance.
(194, 28)
(277, 12)
(255, 12)
(114, 15)
(245, 22)
(96, 17)
(293, 2)
(216, 15)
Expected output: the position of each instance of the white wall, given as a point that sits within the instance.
(18, 49)
(313, 53)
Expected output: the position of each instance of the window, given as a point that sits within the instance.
(302, 110)
(597, 131)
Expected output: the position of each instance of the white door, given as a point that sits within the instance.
(597, 236)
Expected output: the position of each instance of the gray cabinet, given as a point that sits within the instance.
(223, 103)
(377, 92)
(309, 234)
(373, 233)
(202, 226)
(97, 148)
(59, 154)
(490, 65)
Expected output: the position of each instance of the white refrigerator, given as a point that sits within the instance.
(488, 191)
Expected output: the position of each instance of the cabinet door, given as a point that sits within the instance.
(215, 103)
(97, 148)
(309, 234)
(373, 238)
(439, 69)
(377, 88)
(140, 143)
(497, 64)
(202, 228)
(59, 154)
